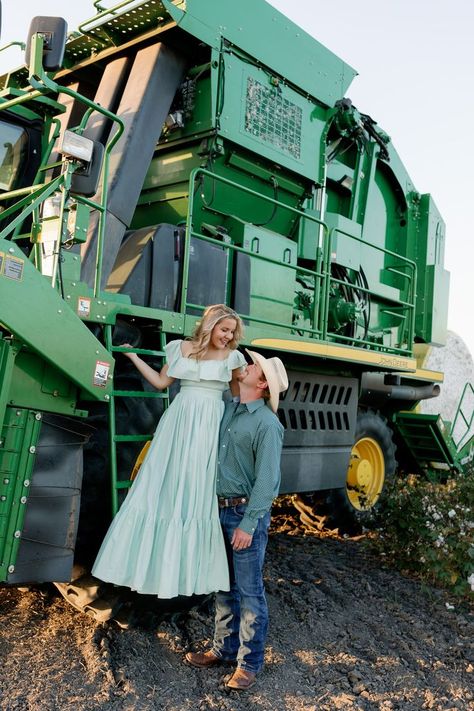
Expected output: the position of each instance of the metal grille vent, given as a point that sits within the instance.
(318, 409)
(325, 407)
(272, 118)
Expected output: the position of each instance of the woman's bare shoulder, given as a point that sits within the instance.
(186, 348)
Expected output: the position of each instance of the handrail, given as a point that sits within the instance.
(40, 81)
(14, 43)
(43, 192)
(459, 413)
(39, 78)
(103, 12)
(411, 278)
(323, 277)
(190, 232)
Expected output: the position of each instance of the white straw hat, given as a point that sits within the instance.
(275, 375)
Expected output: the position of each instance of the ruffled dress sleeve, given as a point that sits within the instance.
(173, 357)
(236, 360)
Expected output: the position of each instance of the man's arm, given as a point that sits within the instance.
(267, 449)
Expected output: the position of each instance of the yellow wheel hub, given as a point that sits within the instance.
(366, 474)
(139, 461)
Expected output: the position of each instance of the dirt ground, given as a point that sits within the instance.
(345, 633)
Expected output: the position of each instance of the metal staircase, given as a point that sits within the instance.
(434, 441)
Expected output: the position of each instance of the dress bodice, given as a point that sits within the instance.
(215, 374)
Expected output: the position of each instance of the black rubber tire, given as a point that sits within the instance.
(341, 511)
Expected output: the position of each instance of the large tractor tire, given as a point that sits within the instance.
(372, 465)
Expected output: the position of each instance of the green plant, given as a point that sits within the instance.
(428, 529)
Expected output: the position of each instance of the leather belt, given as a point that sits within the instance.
(225, 501)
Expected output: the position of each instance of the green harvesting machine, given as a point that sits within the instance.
(167, 155)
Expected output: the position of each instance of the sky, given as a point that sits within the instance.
(415, 77)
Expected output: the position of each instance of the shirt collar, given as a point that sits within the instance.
(254, 404)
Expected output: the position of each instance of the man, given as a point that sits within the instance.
(248, 480)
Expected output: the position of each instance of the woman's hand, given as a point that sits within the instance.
(160, 380)
(132, 356)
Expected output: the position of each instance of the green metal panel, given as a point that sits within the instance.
(37, 384)
(272, 120)
(344, 251)
(433, 282)
(35, 313)
(437, 301)
(291, 53)
(272, 286)
(17, 454)
(7, 359)
(198, 97)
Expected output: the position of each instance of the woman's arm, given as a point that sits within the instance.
(160, 380)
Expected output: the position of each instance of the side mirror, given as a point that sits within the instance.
(54, 33)
(85, 181)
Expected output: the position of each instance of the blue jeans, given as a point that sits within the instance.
(241, 622)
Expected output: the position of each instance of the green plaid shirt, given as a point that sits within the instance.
(248, 462)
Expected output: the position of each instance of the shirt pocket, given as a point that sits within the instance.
(242, 439)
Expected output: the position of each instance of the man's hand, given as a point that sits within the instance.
(240, 540)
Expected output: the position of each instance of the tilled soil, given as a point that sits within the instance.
(345, 633)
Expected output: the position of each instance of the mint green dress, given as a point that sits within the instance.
(166, 539)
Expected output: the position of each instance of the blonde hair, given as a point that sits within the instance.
(201, 337)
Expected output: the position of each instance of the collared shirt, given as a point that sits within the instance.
(250, 443)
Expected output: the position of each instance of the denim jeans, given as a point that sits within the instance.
(241, 622)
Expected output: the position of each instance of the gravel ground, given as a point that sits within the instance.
(346, 633)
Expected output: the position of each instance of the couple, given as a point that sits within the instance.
(172, 535)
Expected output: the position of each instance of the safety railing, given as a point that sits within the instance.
(36, 194)
(317, 327)
(323, 279)
(461, 416)
(406, 309)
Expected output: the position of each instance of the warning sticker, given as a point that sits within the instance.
(101, 374)
(13, 267)
(83, 306)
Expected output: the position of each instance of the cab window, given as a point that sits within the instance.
(13, 151)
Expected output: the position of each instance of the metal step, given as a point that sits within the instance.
(427, 437)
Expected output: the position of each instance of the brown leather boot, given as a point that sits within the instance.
(203, 660)
(241, 680)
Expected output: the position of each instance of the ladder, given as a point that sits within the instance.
(115, 439)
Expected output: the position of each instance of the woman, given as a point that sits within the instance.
(166, 539)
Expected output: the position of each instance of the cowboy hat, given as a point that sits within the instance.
(275, 375)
